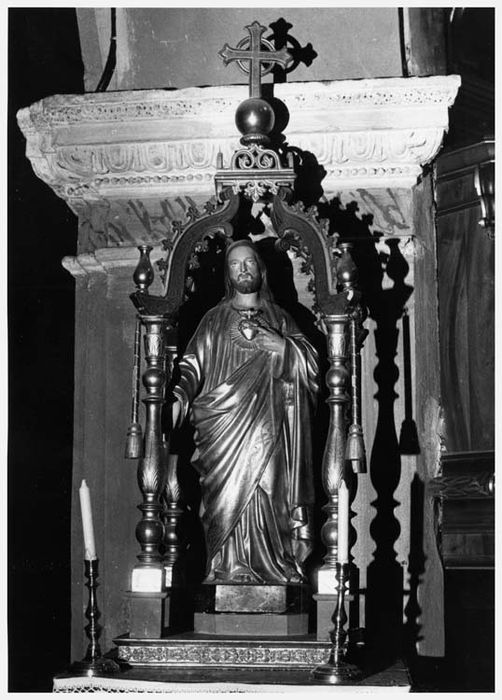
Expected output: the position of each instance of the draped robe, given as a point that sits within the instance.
(251, 410)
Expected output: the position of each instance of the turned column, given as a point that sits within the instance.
(334, 453)
(148, 574)
(344, 446)
(148, 592)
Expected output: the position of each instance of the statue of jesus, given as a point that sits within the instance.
(249, 381)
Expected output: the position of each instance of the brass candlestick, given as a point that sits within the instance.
(93, 663)
(337, 671)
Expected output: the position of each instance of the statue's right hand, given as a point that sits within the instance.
(176, 412)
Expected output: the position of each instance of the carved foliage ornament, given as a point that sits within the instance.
(212, 655)
(297, 230)
(367, 154)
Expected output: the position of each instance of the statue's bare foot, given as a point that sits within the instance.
(239, 575)
(296, 578)
(244, 577)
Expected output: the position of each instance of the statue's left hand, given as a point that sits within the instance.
(271, 340)
(177, 411)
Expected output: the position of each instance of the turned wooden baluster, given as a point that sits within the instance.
(148, 574)
(334, 453)
(335, 572)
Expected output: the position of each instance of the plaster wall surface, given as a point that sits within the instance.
(178, 47)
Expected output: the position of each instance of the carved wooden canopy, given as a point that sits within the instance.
(295, 227)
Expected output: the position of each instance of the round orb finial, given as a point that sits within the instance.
(255, 119)
(346, 271)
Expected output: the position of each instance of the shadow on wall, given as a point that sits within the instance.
(385, 635)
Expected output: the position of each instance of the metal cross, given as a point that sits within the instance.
(255, 56)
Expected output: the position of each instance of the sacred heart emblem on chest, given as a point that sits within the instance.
(249, 323)
(248, 328)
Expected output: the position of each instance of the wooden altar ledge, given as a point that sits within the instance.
(223, 681)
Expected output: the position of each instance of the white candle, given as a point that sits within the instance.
(85, 506)
(343, 524)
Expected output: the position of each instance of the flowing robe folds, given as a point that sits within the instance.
(251, 410)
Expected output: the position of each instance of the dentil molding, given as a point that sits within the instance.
(365, 133)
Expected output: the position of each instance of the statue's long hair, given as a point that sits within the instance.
(264, 291)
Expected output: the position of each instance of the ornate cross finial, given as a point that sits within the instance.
(249, 50)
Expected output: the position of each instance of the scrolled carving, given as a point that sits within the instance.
(193, 213)
(255, 171)
(480, 485)
(154, 346)
(255, 157)
(291, 240)
(213, 220)
(186, 247)
(300, 230)
(255, 189)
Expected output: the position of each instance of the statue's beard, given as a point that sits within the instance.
(247, 286)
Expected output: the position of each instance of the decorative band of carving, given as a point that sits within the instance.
(481, 485)
(62, 110)
(196, 102)
(372, 132)
(222, 655)
(101, 170)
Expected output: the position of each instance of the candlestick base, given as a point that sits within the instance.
(338, 673)
(97, 667)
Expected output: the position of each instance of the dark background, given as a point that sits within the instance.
(44, 59)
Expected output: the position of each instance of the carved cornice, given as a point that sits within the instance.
(365, 133)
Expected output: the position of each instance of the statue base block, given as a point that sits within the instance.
(252, 598)
(251, 624)
(148, 614)
(326, 604)
(252, 609)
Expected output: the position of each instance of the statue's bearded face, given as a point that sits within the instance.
(243, 270)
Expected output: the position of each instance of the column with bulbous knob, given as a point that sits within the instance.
(148, 575)
(334, 454)
(148, 585)
(343, 375)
